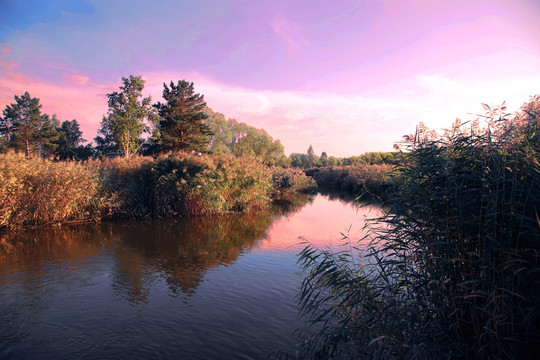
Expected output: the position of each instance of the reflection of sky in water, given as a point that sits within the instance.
(322, 223)
(193, 288)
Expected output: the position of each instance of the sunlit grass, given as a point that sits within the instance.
(38, 191)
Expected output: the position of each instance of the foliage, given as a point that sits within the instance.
(452, 270)
(310, 160)
(125, 122)
(226, 133)
(180, 184)
(289, 181)
(105, 143)
(25, 127)
(69, 143)
(259, 144)
(181, 125)
(374, 180)
(240, 139)
(39, 191)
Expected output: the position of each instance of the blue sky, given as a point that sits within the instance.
(347, 77)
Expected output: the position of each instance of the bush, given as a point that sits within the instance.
(453, 268)
(292, 179)
(185, 184)
(357, 179)
(39, 192)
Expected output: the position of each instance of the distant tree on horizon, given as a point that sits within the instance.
(181, 119)
(312, 159)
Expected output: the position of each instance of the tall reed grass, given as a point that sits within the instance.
(452, 270)
(288, 182)
(38, 191)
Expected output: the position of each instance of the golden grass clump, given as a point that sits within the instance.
(39, 191)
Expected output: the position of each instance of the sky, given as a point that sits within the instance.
(346, 77)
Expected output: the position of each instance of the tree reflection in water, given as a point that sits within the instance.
(177, 251)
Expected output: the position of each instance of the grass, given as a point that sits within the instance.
(290, 181)
(37, 192)
(452, 270)
(40, 192)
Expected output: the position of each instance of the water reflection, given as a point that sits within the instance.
(212, 287)
(179, 251)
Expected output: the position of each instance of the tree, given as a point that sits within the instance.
(324, 159)
(313, 160)
(299, 160)
(261, 145)
(128, 117)
(105, 143)
(181, 125)
(70, 142)
(25, 127)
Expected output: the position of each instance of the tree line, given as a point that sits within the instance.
(176, 124)
(135, 125)
(310, 160)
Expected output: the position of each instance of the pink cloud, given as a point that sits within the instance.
(76, 79)
(65, 99)
(289, 32)
(18, 78)
(5, 63)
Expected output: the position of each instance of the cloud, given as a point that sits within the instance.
(341, 125)
(66, 99)
(5, 63)
(76, 79)
(289, 33)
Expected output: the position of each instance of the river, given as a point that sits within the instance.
(191, 288)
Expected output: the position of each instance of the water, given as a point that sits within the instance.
(201, 288)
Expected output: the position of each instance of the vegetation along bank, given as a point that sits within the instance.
(452, 270)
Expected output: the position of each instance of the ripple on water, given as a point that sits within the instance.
(114, 296)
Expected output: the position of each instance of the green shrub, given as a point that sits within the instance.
(357, 179)
(292, 179)
(185, 184)
(452, 270)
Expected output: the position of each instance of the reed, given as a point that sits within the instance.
(39, 192)
(452, 270)
(288, 182)
(35, 192)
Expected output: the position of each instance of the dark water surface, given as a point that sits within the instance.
(199, 288)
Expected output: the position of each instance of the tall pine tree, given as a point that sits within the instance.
(181, 125)
(25, 127)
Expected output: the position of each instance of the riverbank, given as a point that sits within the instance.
(38, 192)
(452, 268)
(377, 181)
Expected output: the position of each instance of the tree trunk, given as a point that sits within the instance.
(27, 148)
